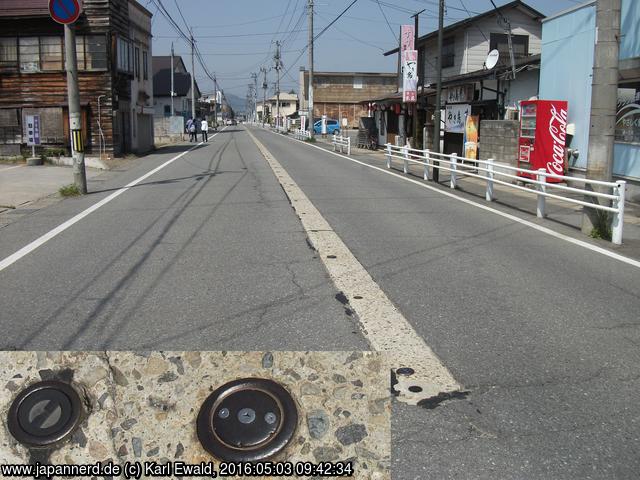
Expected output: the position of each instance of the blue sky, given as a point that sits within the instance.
(237, 37)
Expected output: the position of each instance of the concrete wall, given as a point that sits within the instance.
(499, 140)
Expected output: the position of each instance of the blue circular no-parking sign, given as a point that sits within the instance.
(64, 11)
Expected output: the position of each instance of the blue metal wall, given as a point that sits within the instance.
(629, 36)
(566, 69)
(566, 73)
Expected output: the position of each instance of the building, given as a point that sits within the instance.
(568, 40)
(288, 106)
(469, 87)
(113, 41)
(341, 95)
(181, 87)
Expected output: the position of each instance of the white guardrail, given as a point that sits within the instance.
(341, 142)
(466, 166)
(301, 134)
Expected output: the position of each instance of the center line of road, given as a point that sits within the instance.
(27, 249)
(384, 327)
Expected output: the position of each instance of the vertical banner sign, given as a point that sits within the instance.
(471, 136)
(33, 130)
(410, 76)
(406, 43)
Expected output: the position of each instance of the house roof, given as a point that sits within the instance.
(463, 23)
(24, 8)
(162, 62)
(493, 73)
(181, 84)
(352, 74)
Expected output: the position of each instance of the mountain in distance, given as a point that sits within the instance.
(239, 104)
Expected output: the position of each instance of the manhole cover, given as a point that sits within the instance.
(247, 420)
(44, 413)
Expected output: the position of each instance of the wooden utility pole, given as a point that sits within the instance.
(436, 115)
(604, 100)
(310, 47)
(75, 116)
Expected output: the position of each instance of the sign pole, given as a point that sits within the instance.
(75, 116)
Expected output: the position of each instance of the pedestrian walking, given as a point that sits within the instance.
(204, 128)
(191, 125)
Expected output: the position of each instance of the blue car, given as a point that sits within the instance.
(333, 127)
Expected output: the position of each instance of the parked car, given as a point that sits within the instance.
(333, 127)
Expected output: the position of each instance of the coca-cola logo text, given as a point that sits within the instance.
(558, 132)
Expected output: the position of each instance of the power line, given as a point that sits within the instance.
(386, 19)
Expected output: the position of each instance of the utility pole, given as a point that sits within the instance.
(278, 66)
(420, 75)
(436, 116)
(215, 101)
(172, 94)
(310, 47)
(75, 117)
(193, 80)
(255, 96)
(264, 94)
(604, 100)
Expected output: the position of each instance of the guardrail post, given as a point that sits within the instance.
(348, 145)
(618, 218)
(425, 175)
(454, 167)
(489, 193)
(405, 163)
(388, 155)
(334, 143)
(540, 211)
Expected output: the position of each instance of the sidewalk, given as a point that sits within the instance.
(561, 216)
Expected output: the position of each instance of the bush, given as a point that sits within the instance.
(71, 190)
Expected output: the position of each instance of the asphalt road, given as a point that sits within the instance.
(208, 254)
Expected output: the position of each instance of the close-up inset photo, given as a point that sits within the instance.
(370, 239)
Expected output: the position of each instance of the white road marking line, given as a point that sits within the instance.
(27, 249)
(548, 231)
(10, 168)
(384, 327)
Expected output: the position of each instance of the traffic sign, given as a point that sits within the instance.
(64, 11)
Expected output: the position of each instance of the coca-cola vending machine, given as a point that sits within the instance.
(543, 131)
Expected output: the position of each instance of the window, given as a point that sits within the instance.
(80, 52)
(95, 47)
(500, 42)
(125, 62)
(448, 52)
(136, 61)
(145, 65)
(8, 52)
(167, 110)
(51, 53)
(29, 54)
(357, 82)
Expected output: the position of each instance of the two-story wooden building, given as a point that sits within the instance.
(468, 84)
(113, 44)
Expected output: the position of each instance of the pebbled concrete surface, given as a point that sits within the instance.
(143, 407)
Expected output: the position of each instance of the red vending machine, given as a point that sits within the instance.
(543, 131)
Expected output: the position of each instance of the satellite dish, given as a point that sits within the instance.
(492, 59)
